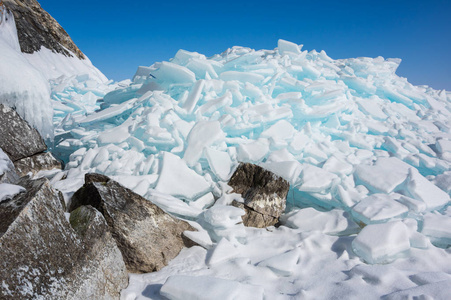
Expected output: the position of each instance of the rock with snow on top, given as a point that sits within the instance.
(36, 163)
(8, 173)
(9, 191)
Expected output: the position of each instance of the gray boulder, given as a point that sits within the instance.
(38, 162)
(17, 138)
(7, 171)
(43, 257)
(264, 194)
(147, 236)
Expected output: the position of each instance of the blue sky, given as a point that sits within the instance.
(118, 36)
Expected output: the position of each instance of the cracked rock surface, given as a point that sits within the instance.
(264, 194)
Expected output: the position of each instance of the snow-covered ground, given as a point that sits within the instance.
(367, 155)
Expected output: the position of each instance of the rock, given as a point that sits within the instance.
(264, 194)
(36, 28)
(38, 162)
(147, 236)
(95, 177)
(7, 171)
(17, 138)
(44, 258)
(255, 219)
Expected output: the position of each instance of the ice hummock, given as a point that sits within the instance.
(364, 151)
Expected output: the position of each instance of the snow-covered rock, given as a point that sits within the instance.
(8, 172)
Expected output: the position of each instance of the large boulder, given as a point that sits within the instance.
(147, 236)
(42, 256)
(38, 162)
(264, 194)
(17, 138)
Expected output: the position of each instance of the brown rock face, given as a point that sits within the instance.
(147, 236)
(43, 257)
(264, 194)
(36, 28)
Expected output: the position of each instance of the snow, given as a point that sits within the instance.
(309, 219)
(178, 180)
(378, 208)
(202, 135)
(8, 191)
(198, 288)
(381, 243)
(438, 228)
(23, 87)
(422, 189)
(5, 163)
(220, 163)
(384, 176)
(365, 152)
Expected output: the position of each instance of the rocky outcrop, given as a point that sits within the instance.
(23, 144)
(44, 257)
(38, 162)
(17, 138)
(264, 194)
(36, 28)
(147, 236)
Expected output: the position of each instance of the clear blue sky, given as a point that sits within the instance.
(118, 36)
